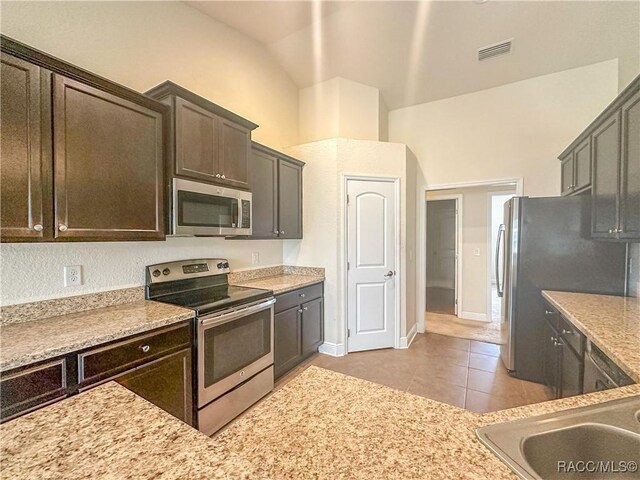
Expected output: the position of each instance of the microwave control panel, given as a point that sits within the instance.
(246, 214)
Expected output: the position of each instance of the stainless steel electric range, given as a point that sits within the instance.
(234, 335)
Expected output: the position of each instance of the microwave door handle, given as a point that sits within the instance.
(234, 213)
(216, 320)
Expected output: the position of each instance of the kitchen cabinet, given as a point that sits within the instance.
(611, 146)
(299, 327)
(276, 185)
(104, 143)
(576, 169)
(25, 169)
(35, 386)
(563, 355)
(156, 365)
(210, 144)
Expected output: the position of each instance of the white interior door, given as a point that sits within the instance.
(371, 275)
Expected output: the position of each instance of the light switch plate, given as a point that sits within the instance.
(72, 275)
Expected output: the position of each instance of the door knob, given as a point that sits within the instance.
(389, 274)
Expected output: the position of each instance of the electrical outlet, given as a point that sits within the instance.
(255, 258)
(72, 275)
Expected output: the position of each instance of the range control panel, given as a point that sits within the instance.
(165, 272)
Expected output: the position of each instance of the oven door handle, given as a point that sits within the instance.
(228, 317)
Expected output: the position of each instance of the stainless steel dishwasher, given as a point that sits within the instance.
(600, 372)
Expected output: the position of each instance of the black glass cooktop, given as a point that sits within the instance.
(212, 299)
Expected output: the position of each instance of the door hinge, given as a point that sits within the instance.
(456, 301)
(347, 199)
(348, 265)
(348, 332)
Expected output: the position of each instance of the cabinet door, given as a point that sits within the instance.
(264, 189)
(582, 166)
(108, 164)
(166, 383)
(312, 326)
(289, 199)
(233, 154)
(630, 174)
(25, 163)
(31, 388)
(567, 174)
(287, 340)
(605, 142)
(570, 372)
(196, 142)
(551, 359)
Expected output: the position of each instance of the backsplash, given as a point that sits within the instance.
(634, 270)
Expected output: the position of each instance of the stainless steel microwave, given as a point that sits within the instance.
(201, 209)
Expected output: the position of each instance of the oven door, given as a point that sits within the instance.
(202, 209)
(233, 346)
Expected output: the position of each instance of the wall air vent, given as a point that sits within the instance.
(501, 48)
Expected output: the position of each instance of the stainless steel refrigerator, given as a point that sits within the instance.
(545, 244)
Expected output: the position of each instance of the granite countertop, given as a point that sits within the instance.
(612, 323)
(281, 283)
(33, 341)
(111, 433)
(320, 425)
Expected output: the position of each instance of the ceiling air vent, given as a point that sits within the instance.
(501, 48)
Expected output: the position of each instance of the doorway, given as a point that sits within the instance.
(372, 263)
(495, 266)
(442, 256)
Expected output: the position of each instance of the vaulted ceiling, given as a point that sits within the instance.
(416, 52)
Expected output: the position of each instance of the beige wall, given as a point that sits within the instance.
(140, 44)
(474, 235)
(340, 108)
(328, 161)
(516, 130)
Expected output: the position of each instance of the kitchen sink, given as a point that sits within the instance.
(599, 441)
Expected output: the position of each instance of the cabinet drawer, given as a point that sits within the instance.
(32, 387)
(104, 362)
(297, 297)
(571, 335)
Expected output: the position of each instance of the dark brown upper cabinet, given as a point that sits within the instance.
(576, 169)
(612, 145)
(103, 142)
(276, 185)
(25, 169)
(211, 144)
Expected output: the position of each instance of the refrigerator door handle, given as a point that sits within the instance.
(500, 288)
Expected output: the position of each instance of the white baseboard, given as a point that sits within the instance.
(481, 317)
(406, 341)
(333, 349)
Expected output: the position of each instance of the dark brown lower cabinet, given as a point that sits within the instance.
(32, 387)
(299, 328)
(551, 359)
(166, 383)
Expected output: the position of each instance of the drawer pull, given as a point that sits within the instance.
(145, 348)
(567, 332)
(299, 310)
(549, 312)
(305, 308)
(302, 295)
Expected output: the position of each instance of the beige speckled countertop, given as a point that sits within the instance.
(111, 433)
(29, 342)
(281, 283)
(612, 323)
(320, 425)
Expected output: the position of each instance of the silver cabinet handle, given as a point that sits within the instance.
(305, 308)
(223, 176)
(218, 175)
(62, 227)
(302, 295)
(299, 310)
(145, 348)
(549, 312)
(389, 274)
(275, 232)
(281, 232)
(37, 227)
(567, 332)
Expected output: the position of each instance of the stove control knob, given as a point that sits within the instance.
(156, 273)
(226, 265)
(166, 271)
(220, 265)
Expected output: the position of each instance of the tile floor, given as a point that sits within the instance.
(465, 373)
(452, 326)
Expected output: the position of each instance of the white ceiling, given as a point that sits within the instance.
(416, 52)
